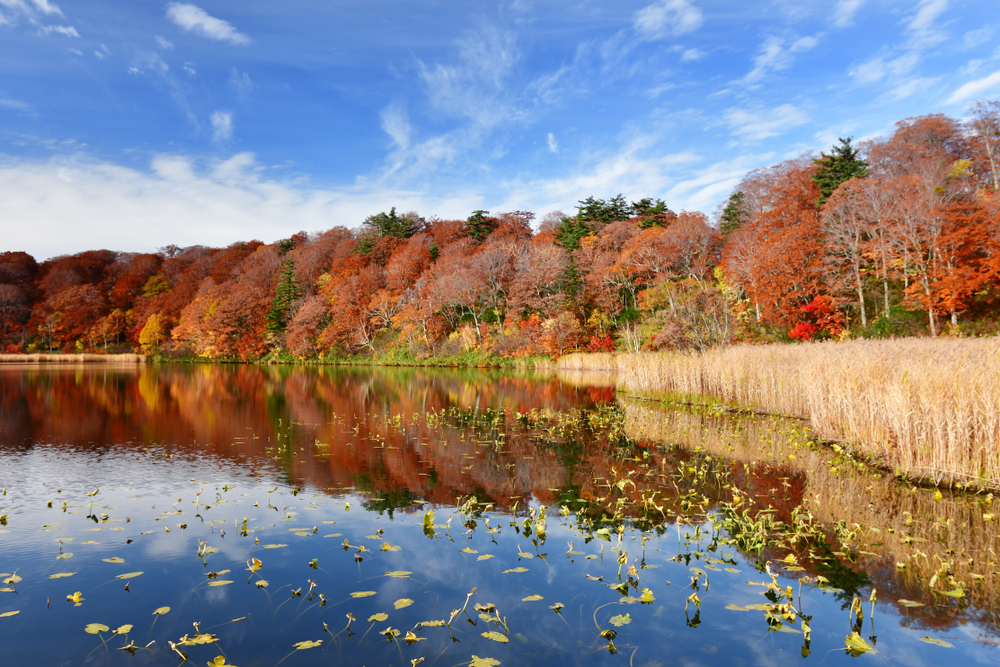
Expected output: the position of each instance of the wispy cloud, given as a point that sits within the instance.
(164, 43)
(776, 54)
(974, 38)
(760, 123)
(396, 124)
(976, 88)
(196, 20)
(553, 145)
(222, 126)
(241, 84)
(923, 27)
(66, 30)
(102, 53)
(691, 55)
(17, 105)
(845, 11)
(876, 69)
(667, 18)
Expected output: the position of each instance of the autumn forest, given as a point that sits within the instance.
(899, 235)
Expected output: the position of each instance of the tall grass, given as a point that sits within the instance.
(927, 408)
(71, 358)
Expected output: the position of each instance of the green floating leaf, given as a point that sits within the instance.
(362, 594)
(199, 639)
(496, 636)
(646, 597)
(129, 575)
(483, 662)
(378, 618)
(402, 602)
(937, 642)
(532, 598)
(957, 593)
(307, 644)
(274, 546)
(619, 620)
(516, 569)
(114, 559)
(61, 575)
(433, 624)
(95, 628)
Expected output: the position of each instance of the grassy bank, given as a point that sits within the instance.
(925, 408)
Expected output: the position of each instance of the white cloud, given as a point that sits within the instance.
(906, 88)
(553, 145)
(759, 123)
(67, 30)
(8, 103)
(164, 43)
(878, 68)
(844, 12)
(974, 38)
(923, 25)
(773, 56)
(189, 68)
(195, 19)
(977, 88)
(222, 126)
(668, 18)
(46, 7)
(241, 84)
(49, 207)
(103, 53)
(396, 124)
(691, 55)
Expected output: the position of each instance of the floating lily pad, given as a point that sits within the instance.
(619, 620)
(275, 546)
(532, 598)
(515, 570)
(61, 575)
(129, 575)
(307, 644)
(398, 574)
(402, 602)
(362, 594)
(7, 614)
(161, 611)
(496, 636)
(937, 642)
(95, 628)
(220, 582)
(378, 618)
(114, 559)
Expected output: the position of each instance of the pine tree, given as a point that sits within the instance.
(479, 225)
(734, 214)
(285, 295)
(569, 233)
(841, 165)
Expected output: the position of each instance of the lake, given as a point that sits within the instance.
(247, 515)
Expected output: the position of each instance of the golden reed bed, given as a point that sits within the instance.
(927, 408)
(71, 358)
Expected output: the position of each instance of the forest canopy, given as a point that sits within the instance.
(894, 236)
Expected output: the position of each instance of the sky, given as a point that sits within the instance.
(130, 125)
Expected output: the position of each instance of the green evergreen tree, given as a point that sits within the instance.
(841, 165)
(479, 225)
(285, 295)
(734, 214)
(569, 233)
(390, 224)
(603, 212)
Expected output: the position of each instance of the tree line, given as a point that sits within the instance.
(899, 235)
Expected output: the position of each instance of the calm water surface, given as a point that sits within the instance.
(128, 491)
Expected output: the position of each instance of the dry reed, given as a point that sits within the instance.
(71, 358)
(894, 523)
(927, 408)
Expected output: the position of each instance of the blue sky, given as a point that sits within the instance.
(131, 125)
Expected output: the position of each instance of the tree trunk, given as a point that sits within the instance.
(861, 300)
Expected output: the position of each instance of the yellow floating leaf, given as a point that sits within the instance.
(483, 662)
(619, 620)
(398, 574)
(496, 636)
(114, 559)
(485, 557)
(468, 550)
(9, 613)
(129, 575)
(221, 582)
(307, 644)
(274, 546)
(531, 598)
(123, 630)
(402, 602)
(362, 594)
(378, 618)
(75, 597)
(94, 628)
(937, 642)
(161, 611)
(61, 575)
(516, 569)
(199, 639)
(262, 583)
(64, 556)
